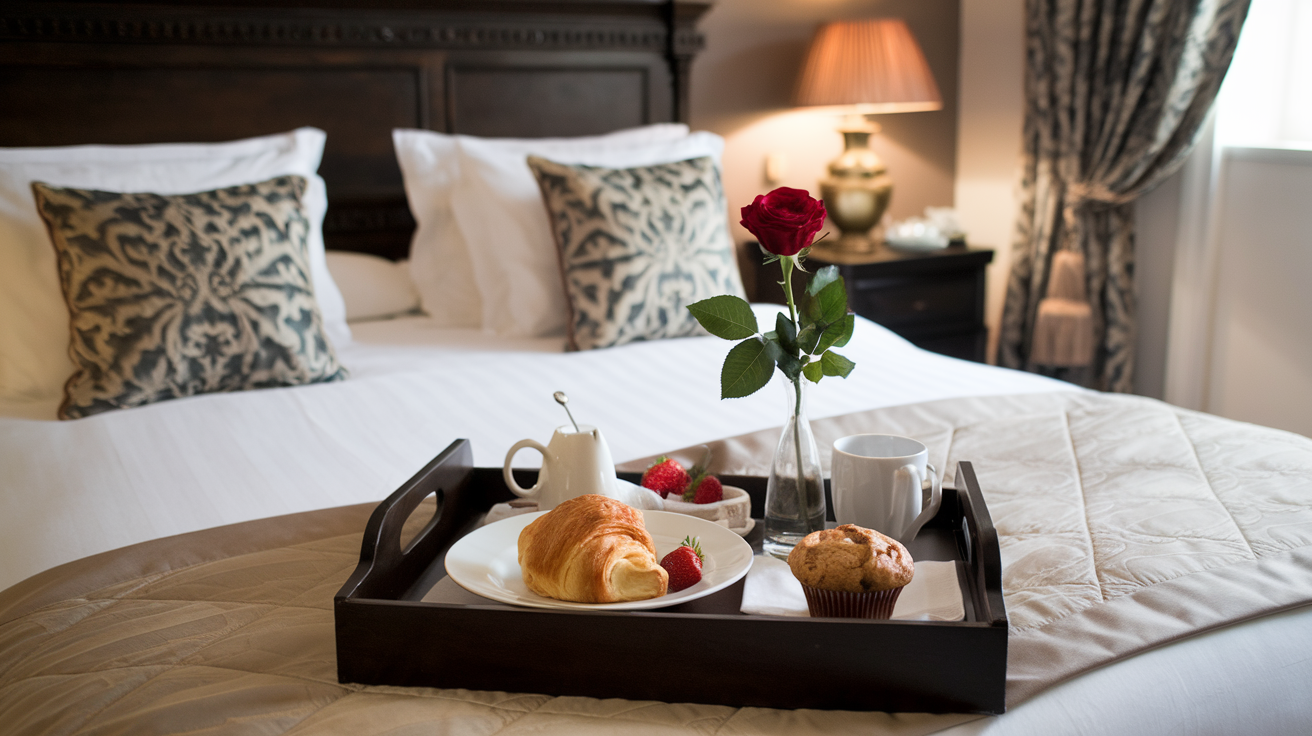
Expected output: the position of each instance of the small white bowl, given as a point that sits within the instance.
(735, 511)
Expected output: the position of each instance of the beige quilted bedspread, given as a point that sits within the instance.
(1124, 524)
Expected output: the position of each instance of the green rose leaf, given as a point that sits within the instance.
(829, 305)
(837, 334)
(808, 338)
(725, 316)
(836, 365)
(821, 279)
(786, 333)
(790, 365)
(813, 371)
(747, 368)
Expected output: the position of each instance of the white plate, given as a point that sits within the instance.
(486, 561)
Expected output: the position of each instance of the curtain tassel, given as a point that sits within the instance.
(1063, 331)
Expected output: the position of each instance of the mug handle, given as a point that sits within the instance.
(510, 477)
(927, 513)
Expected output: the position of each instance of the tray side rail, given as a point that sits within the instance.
(981, 551)
(386, 570)
(760, 661)
(983, 558)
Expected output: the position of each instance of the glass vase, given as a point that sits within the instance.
(794, 497)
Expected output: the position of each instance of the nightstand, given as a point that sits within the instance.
(935, 299)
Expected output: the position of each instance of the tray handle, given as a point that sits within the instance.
(387, 570)
(983, 556)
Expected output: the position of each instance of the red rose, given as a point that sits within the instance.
(784, 220)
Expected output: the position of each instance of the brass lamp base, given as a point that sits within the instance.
(857, 190)
(847, 243)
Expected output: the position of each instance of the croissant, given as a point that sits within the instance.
(591, 549)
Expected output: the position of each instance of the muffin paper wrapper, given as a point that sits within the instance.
(840, 604)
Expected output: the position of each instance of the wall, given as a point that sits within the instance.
(742, 87)
(1156, 227)
(1261, 354)
(992, 111)
(1246, 270)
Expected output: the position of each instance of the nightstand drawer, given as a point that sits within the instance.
(934, 299)
(909, 301)
(969, 345)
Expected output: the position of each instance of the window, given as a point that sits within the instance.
(1266, 100)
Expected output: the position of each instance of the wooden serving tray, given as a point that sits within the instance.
(386, 635)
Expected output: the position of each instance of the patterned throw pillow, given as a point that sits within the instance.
(183, 295)
(637, 246)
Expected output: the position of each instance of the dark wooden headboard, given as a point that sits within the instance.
(143, 72)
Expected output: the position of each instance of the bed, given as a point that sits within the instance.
(171, 567)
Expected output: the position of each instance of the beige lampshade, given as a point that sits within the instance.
(873, 64)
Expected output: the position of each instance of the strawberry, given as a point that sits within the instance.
(665, 476)
(684, 565)
(707, 490)
(702, 486)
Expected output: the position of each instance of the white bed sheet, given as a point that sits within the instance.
(1250, 678)
(70, 489)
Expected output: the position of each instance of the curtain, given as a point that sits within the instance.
(1116, 93)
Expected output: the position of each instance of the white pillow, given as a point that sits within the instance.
(502, 218)
(34, 321)
(440, 263)
(372, 287)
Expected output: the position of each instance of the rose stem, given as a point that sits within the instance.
(786, 264)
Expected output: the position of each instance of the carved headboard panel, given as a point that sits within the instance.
(112, 72)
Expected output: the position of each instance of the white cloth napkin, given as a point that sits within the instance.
(932, 595)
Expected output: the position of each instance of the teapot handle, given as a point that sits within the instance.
(510, 477)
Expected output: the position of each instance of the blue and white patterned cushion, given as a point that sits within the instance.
(637, 246)
(183, 295)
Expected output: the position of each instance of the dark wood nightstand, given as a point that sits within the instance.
(935, 299)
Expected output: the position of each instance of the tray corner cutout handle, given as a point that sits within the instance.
(387, 567)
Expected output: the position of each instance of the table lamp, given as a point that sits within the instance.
(863, 67)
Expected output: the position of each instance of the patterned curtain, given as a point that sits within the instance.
(1117, 91)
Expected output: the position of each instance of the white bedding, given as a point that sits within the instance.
(69, 489)
(1252, 678)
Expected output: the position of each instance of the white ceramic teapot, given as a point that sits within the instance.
(574, 463)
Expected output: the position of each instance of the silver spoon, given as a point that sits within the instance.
(562, 399)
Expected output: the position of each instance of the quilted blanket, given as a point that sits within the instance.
(1124, 524)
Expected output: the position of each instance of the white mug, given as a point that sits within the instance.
(573, 464)
(878, 482)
